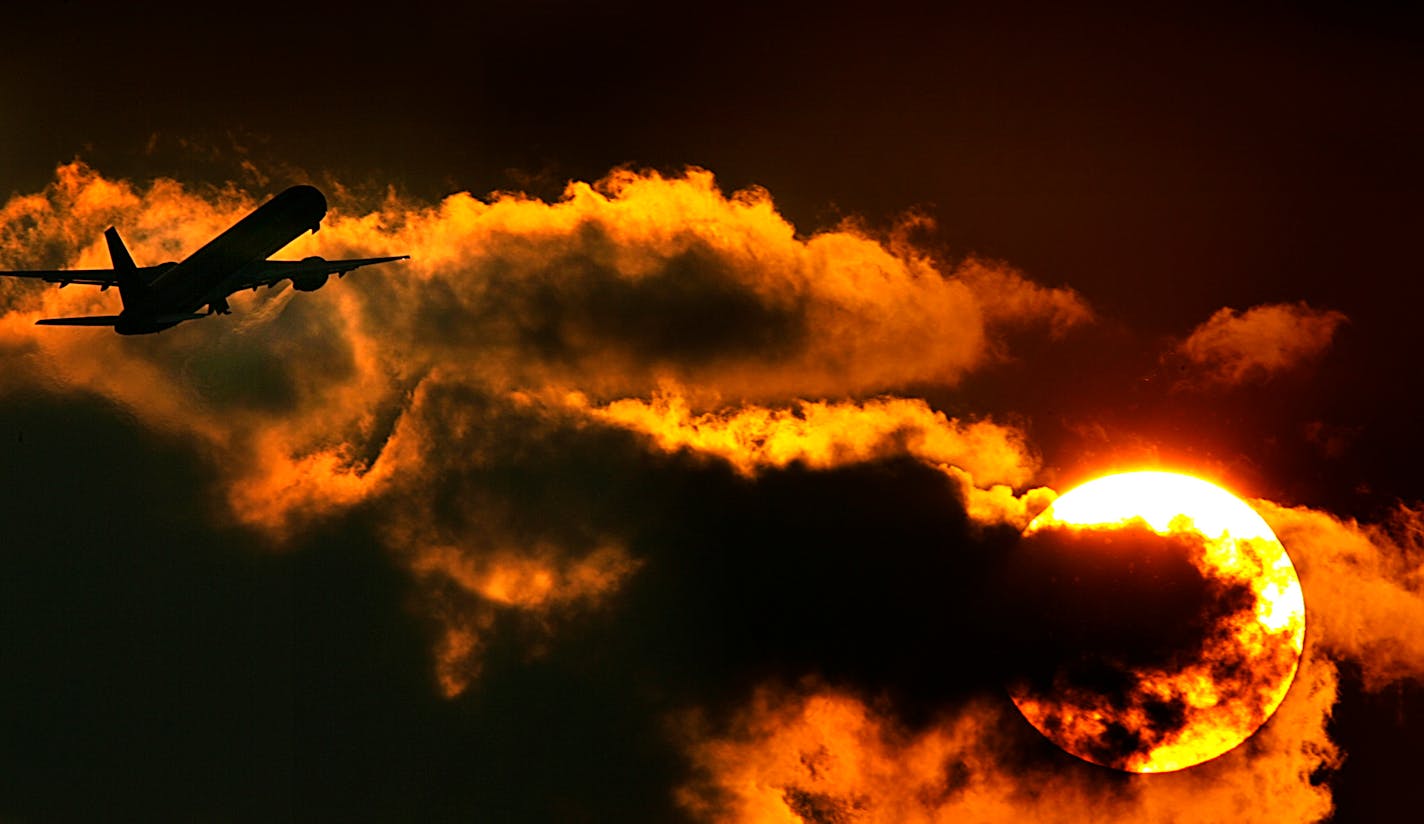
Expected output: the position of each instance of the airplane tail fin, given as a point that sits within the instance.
(132, 288)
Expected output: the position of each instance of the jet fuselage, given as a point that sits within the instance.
(204, 278)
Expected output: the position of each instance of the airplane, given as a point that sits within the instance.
(160, 297)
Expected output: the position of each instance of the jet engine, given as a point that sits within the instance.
(310, 283)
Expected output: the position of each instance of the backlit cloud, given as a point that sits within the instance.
(1364, 587)
(821, 434)
(1232, 347)
(652, 432)
(818, 754)
(612, 291)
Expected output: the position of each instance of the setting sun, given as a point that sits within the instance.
(1226, 680)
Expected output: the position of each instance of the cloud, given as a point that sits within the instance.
(655, 446)
(612, 291)
(1233, 347)
(1364, 587)
(400, 392)
(813, 751)
(986, 459)
(821, 434)
(550, 493)
(641, 278)
(1012, 299)
(818, 754)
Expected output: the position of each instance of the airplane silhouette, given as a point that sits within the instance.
(161, 297)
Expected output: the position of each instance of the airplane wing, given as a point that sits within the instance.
(103, 278)
(90, 277)
(306, 274)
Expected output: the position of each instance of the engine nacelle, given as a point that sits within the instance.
(310, 283)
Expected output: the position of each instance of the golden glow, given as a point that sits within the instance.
(823, 434)
(1157, 498)
(1244, 668)
(815, 753)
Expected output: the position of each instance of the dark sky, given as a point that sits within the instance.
(161, 662)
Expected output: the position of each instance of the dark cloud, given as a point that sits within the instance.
(589, 510)
(148, 667)
(1126, 597)
(847, 572)
(489, 583)
(689, 310)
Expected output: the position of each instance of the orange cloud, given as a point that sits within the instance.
(457, 653)
(612, 291)
(535, 580)
(377, 392)
(820, 754)
(1364, 586)
(1010, 299)
(821, 434)
(529, 577)
(639, 278)
(987, 460)
(1232, 347)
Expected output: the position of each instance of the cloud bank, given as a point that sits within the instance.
(653, 440)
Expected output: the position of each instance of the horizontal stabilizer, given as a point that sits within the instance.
(92, 320)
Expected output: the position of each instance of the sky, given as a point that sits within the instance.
(679, 474)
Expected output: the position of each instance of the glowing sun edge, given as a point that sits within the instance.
(1235, 537)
